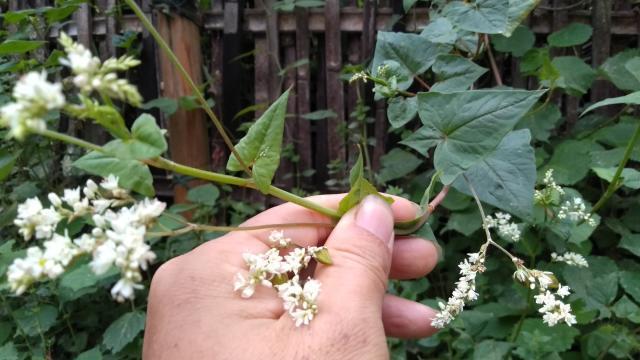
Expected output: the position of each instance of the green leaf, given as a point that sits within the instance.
(360, 188)
(491, 350)
(260, 147)
(397, 164)
(469, 125)
(147, 141)
(597, 285)
(320, 115)
(630, 99)
(481, 16)
(11, 47)
(166, 105)
(408, 4)
(520, 41)
(440, 31)
(541, 121)
(539, 338)
(630, 177)
(465, 222)
(133, 174)
(507, 176)
(79, 278)
(631, 242)
(7, 160)
(206, 194)
(34, 320)
(401, 110)
(633, 66)
(93, 354)
(571, 161)
(122, 331)
(455, 73)
(615, 69)
(58, 14)
(574, 75)
(630, 282)
(627, 309)
(517, 13)
(8, 351)
(414, 53)
(571, 35)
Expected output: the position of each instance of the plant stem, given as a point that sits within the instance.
(187, 78)
(613, 185)
(411, 226)
(422, 82)
(484, 221)
(198, 227)
(166, 164)
(69, 139)
(492, 61)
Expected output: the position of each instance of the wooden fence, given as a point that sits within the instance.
(249, 53)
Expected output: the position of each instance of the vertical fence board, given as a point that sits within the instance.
(286, 171)
(353, 92)
(601, 49)
(335, 87)
(185, 127)
(303, 137)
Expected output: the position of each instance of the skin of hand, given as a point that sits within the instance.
(194, 313)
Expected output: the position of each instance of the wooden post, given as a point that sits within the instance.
(188, 139)
(335, 87)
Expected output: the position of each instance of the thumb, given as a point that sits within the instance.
(360, 246)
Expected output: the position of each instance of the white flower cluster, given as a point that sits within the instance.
(359, 76)
(116, 240)
(90, 74)
(506, 229)
(576, 211)
(554, 310)
(570, 258)
(465, 289)
(271, 269)
(550, 185)
(34, 97)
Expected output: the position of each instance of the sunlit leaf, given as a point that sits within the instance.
(260, 147)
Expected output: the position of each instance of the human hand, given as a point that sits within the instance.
(194, 313)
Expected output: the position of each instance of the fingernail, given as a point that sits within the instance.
(375, 216)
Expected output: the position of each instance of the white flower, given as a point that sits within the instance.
(124, 289)
(103, 257)
(570, 258)
(34, 90)
(464, 291)
(506, 229)
(34, 219)
(54, 199)
(300, 300)
(24, 271)
(575, 211)
(277, 239)
(90, 190)
(554, 310)
(297, 259)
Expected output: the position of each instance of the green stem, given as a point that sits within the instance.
(166, 164)
(187, 78)
(198, 227)
(69, 139)
(613, 185)
(163, 163)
